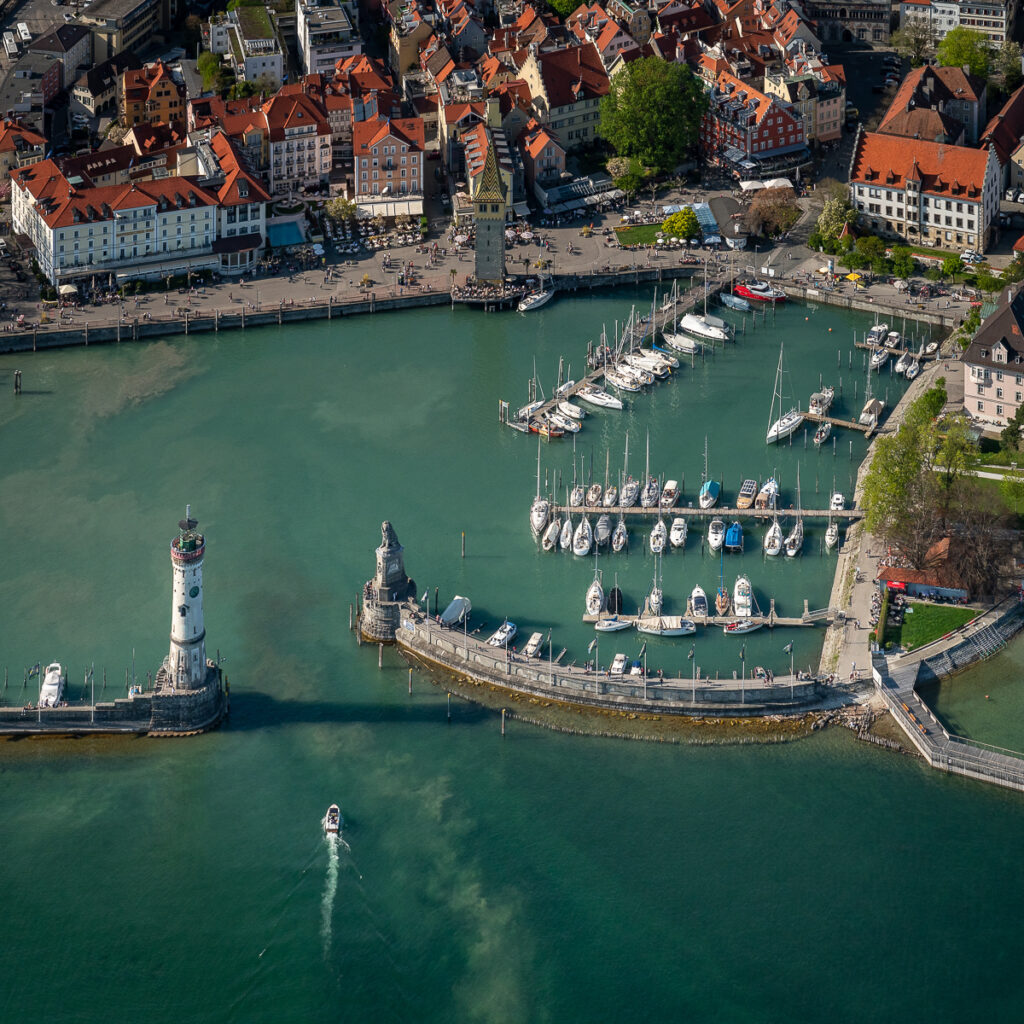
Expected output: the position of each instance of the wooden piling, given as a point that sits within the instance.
(380, 655)
(502, 721)
(463, 543)
(410, 682)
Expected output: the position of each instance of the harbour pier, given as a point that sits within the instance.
(771, 620)
(689, 512)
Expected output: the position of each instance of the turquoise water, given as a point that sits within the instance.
(535, 877)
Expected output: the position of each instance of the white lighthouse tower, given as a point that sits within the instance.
(186, 662)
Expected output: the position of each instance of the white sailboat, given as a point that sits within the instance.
(773, 539)
(603, 530)
(541, 508)
(666, 625)
(538, 298)
(611, 491)
(595, 603)
(593, 395)
(659, 535)
(582, 538)
(795, 540)
(549, 539)
(831, 535)
(630, 488)
(620, 536)
(786, 423)
(655, 597)
(651, 492)
(565, 537)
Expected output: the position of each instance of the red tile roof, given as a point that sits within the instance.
(14, 135)
(366, 134)
(889, 160)
(1005, 130)
(572, 74)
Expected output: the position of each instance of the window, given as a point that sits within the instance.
(999, 392)
(999, 410)
(981, 407)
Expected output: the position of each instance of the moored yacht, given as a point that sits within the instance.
(773, 539)
(595, 396)
(698, 602)
(748, 490)
(583, 538)
(768, 496)
(761, 291)
(52, 688)
(594, 601)
(716, 534)
(706, 327)
(669, 494)
(742, 598)
(503, 635)
(678, 531)
(659, 535)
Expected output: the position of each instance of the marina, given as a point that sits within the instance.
(689, 512)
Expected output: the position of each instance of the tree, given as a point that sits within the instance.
(653, 112)
(772, 211)
(1010, 437)
(955, 453)
(987, 281)
(1011, 488)
(951, 266)
(914, 39)
(340, 208)
(193, 31)
(835, 215)
(208, 66)
(963, 46)
(853, 260)
(240, 90)
(682, 224)
(1006, 60)
(563, 8)
(902, 261)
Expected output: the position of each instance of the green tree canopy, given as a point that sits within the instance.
(340, 208)
(563, 8)
(951, 266)
(963, 46)
(653, 111)
(902, 261)
(682, 224)
(835, 215)
(914, 39)
(1006, 60)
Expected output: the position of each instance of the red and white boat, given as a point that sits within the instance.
(761, 291)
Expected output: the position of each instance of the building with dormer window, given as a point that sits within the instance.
(994, 364)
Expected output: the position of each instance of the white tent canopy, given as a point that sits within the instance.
(778, 183)
(751, 186)
(68, 289)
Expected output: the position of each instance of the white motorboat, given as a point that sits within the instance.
(51, 691)
(566, 408)
(698, 603)
(821, 401)
(831, 536)
(332, 820)
(760, 290)
(503, 635)
(706, 327)
(618, 665)
(612, 624)
(659, 535)
(456, 612)
(913, 369)
(594, 601)
(773, 539)
(879, 358)
(893, 339)
(620, 536)
(837, 502)
(716, 535)
(786, 423)
(595, 396)
(582, 538)
(666, 625)
(877, 334)
(549, 539)
(734, 302)
(563, 423)
(603, 530)
(904, 361)
(768, 496)
(931, 348)
(533, 645)
(563, 389)
(614, 376)
(742, 598)
(565, 537)
(536, 299)
(741, 626)
(669, 494)
(823, 433)
(643, 363)
(678, 531)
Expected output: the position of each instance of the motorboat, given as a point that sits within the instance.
(735, 302)
(879, 358)
(684, 343)
(748, 490)
(773, 539)
(877, 334)
(533, 645)
(913, 369)
(549, 539)
(564, 423)
(706, 327)
(642, 376)
(594, 601)
(565, 537)
(603, 530)
(666, 625)
(821, 401)
(768, 496)
(583, 538)
(669, 494)
(716, 534)
(651, 493)
(741, 626)
(51, 691)
(614, 376)
(503, 635)
(545, 428)
(649, 362)
(823, 433)
(659, 536)
(709, 492)
(893, 339)
(931, 348)
(831, 536)
(677, 532)
(564, 388)
(734, 538)
(785, 425)
(760, 291)
(837, 502)
(698, 603)
(332, 820)
(595, 494)
(795, 541)
(597, 397)
(904, 361)
(456, 612)
(620, 536)
(618, 665)
(612, 624)
(873, 408)
(742, 598)
(630, 493)
(566, 408)
(536, 299)
(666, 357)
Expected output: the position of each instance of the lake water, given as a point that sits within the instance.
(536, 877)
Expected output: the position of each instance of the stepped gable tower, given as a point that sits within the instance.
(489, 206)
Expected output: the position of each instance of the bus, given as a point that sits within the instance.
(10, 45)
(23, 33)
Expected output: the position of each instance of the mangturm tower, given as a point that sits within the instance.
(489, 211)
(383, 595)
(186, 663)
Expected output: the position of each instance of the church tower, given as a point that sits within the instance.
(489, 211)
(186, 662)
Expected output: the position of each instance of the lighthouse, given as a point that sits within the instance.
(186, 663)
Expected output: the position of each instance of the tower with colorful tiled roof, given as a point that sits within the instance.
(186, 663)
(489, 204)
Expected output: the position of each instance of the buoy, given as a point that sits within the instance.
(807, 318)
(830, 330)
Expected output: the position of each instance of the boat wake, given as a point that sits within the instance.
(334, 844)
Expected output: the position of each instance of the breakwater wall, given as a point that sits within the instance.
(871, 304)
(471, 658)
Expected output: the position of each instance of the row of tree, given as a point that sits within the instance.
(961, 47)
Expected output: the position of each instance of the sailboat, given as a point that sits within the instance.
(703, 326)
(630, 487)
(872, 407)
(620, 536)
(593, 395)
(773, 539)
(709, 489)
(675, 338)
(603, 530)
(611, 491)
(666, 625)
(565, 537)
(595, 596)
(652, 489)
(583, 538)
(659, 535)
(578, 493)
(538, 298)
(831, 535)
(549, 540)
(655, 597)
(788, 422)
(541, 508)
(795, 540)
(722, 595)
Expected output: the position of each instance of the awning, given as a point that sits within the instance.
(521, 209)
(853, 277)
(778, 183)
(750, 186)
(68, 289)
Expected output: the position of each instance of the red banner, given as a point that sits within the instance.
(895, 585)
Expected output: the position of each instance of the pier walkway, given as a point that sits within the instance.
(771, 620)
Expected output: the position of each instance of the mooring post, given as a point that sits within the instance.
(380, 655)
(435, 599)
(463, 543)
(502, 721)
(410, 682)
(350, 615)
(449, 707)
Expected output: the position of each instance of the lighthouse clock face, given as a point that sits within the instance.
(194, 592)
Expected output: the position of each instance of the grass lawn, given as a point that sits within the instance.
(638, 234)
(928, 622)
